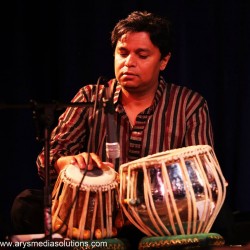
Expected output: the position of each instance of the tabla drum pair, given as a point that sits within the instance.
(175, 192)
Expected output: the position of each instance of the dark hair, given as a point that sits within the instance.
(158, 28)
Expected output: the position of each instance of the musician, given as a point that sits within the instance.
(151, 115)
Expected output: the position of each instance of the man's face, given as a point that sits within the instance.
(138, 62)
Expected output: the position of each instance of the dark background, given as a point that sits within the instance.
(49, 49)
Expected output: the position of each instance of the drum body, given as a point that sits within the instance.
(85, 208)
(176, 192)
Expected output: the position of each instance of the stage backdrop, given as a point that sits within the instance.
(49, 49)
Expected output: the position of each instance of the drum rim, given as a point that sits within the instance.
(71, 182)
(169, 156)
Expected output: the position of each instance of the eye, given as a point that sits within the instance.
(143, 56)
(123, 54)
(142, 53)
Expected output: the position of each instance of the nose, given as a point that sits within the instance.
(130, 61)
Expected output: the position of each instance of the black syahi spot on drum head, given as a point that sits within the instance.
(95, 172)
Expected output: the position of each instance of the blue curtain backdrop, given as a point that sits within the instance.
(49, 49)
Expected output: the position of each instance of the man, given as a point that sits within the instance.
(150, 115)
(163, 116)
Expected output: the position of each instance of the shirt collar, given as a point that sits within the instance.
(158, 94)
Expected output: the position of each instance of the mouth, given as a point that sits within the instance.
(127, 75)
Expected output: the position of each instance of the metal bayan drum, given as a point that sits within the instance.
(175, 192)
(86, 211)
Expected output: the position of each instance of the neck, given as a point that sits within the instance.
(135, 104)
(132, 98)
(129, 100)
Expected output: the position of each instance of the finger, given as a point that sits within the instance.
(108, 164)
(87, 160)
(96, 159)
(81, 162)
(73, 161)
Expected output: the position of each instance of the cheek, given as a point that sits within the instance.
(118, 63)
(117, 67)
(149, 68)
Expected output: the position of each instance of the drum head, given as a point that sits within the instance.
(95, 177)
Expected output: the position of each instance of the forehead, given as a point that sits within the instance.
(138, 39)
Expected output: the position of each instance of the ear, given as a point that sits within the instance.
(164, 61)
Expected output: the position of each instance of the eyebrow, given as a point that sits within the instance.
(137, 50)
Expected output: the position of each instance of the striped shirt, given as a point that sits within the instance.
(178, 117)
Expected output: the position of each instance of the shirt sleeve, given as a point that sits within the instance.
(199, 128)
(69, 136)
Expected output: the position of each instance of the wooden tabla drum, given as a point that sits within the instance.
(175, 192)
(87, 210)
